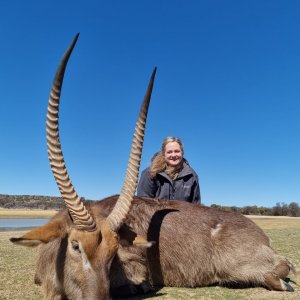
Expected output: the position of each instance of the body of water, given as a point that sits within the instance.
(7, 224)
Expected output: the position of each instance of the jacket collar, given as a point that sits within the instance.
(186, 171)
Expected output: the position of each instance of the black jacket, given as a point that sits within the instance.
(184, 187)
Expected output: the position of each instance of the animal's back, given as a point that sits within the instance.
(197, 245)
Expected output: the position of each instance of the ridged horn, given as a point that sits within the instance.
(78, 212)
(124, 202)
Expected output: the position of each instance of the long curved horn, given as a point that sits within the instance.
(123, 205)
(79, 214)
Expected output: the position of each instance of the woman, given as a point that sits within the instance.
(170, 175)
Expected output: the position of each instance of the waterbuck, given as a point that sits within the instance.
(125, 244)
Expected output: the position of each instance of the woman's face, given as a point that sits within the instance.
(173, 154)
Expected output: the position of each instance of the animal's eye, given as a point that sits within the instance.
(75, 246)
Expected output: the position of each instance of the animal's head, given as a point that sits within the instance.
(87, 242)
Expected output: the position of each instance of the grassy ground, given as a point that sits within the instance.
(17, 268)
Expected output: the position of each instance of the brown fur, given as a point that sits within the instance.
(192, 246)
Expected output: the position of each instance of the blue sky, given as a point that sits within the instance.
(228, 84)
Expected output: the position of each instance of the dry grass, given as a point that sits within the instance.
(26, 213)
(17, 268)
(269, 222)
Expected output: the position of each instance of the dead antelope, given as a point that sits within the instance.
(125, 244)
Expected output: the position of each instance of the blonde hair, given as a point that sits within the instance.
(158, 162)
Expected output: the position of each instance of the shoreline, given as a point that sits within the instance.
(15, 229)
(12, 213)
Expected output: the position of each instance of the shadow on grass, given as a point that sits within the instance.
(153, 294)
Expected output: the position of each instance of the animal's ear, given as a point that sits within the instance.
(129, 238)
(42, 234)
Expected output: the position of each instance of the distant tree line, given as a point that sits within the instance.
(280, 209)
(31, 202)
(48, 202)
